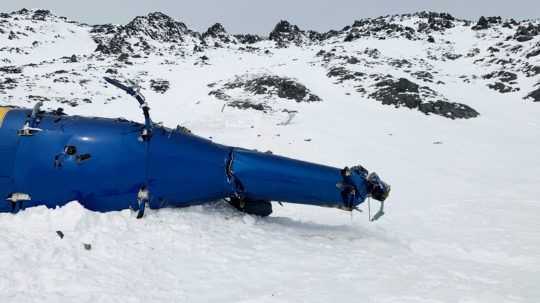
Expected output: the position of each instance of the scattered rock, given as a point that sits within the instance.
(285, 33)
(534, 95)
(534, 52)
(485, 23)
(11, 69)
(342, 74)
(423, 75)
(218, 33)
(380, 28)
(527, 32)
(248, 38)
(403, 92)
(245, 104)
(8, 83)
(258, 92)
(160, 85)
(502, 88)
(41, 14)
(435, 22)
(504, 76)
(282, 87)
(155, 26)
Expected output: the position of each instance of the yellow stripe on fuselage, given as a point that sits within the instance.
(3, 112)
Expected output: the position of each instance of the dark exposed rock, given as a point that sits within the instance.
(353, 60)
(155, 26)
(522, 38)
(38, 98)
(435, 22)
(423, 75)
(11, 69)
(451, 56)
(61, 80)
(245, 104)
(160, 85)
(403, 92)
(283, 87)
(502, 88)
(435, 15)
(379, 28)
(107, 29)
(503, 76)
(526, 33)
(265, 85)
(285, 33)
(534, 95)
(372, 53)
(510, 23)
(534, 52)
(217, 31)
(342, 74)
(532, 70)
(41, 14)
(8, 83)
(12, 35)
(399, 63)
(450, 110)
(485, 23)
(248, 38)
(123, 57)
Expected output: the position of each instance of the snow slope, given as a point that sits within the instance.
(462, 220)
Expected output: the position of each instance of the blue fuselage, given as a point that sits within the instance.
(104, 163)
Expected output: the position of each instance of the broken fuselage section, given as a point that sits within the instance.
(49, 158)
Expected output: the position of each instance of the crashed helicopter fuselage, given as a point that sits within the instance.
(49, 158)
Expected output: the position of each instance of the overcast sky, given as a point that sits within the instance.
(256, 16)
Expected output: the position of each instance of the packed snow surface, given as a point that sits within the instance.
(462, 221)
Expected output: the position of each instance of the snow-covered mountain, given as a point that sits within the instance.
(445, 109)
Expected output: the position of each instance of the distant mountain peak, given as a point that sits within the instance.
(285, 33)
(155, 26)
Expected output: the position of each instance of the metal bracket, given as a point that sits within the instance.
(29, 127)
(17, 197)
(143, 197)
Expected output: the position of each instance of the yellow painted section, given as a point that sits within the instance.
(3, 112)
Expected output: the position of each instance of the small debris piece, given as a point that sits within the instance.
(60, 234)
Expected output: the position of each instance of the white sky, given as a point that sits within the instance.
(255, 16)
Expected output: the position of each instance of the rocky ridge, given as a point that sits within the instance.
(506, 56)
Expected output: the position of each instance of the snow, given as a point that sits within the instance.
(461, 223)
